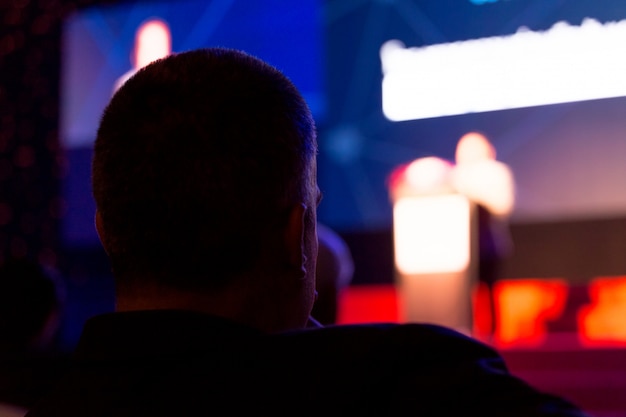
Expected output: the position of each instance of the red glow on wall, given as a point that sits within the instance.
(603, 320)
(368, 304)
(525, 306)
(482, 314)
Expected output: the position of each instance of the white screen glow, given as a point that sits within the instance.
(563, 64)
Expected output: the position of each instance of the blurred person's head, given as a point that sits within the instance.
(31, 301)
(481, 178)
(334, 272)
(153, 41)
(422, 176)
(474, 147)
(204, 176)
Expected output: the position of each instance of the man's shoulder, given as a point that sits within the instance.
(410, 335)
(430, 369)
(424, 347)
(377, 369)
(412, 331)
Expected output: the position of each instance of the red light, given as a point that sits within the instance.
(603, 321)
(368, 304)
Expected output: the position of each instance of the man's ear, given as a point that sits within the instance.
(294, 236)
(100, 231)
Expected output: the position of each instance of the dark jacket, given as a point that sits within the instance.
(174, 363)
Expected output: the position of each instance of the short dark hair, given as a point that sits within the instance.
(196, 156)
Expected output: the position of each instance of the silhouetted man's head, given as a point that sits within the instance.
(202, 162)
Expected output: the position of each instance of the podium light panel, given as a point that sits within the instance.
(431, 234)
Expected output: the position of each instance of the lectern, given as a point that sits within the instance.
(434, 234)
